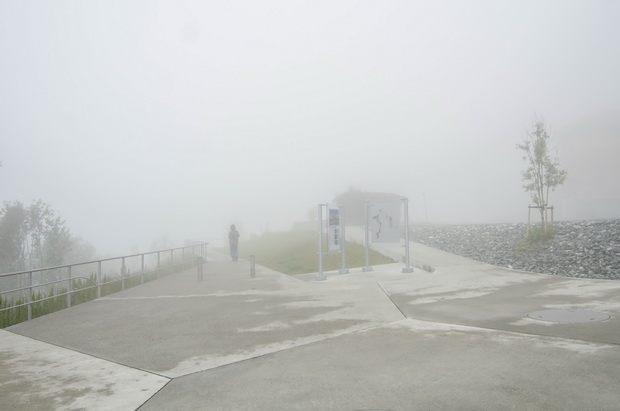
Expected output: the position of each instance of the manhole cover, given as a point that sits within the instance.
(568, 316)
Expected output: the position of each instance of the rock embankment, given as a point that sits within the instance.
(587, 249)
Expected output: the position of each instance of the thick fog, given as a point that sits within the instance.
(140, 120)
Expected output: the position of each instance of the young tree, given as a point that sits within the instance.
(542, 173)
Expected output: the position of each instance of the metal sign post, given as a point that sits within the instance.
(320, 276)
(407, 268)
(343, 269)
(367, 240)
(334, 227)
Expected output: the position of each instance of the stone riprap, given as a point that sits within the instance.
(586, 249)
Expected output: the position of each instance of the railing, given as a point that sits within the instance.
(89, 280)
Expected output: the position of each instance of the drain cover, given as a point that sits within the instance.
(568, 316)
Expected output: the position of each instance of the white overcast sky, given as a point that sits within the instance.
(137, 119)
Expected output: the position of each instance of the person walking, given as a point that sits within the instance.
(233, 240)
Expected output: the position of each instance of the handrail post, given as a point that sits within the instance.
(99, 279)
(70, 290)
(158, 264)
(123, 275)
(142, 271)
(29, 296)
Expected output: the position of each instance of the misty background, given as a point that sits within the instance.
(145, 120)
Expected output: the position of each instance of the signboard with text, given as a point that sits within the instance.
(334, 234)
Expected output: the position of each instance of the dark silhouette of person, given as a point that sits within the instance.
(233, 240)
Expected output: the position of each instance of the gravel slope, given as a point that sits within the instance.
(587, 249)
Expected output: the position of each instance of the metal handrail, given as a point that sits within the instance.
(200, 244)
(50, 297)
(98, 283)
(50, 283)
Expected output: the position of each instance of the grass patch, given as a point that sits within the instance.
(536, 237)
(295, 252)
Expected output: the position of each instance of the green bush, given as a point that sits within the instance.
(535, 239)
(539, 234)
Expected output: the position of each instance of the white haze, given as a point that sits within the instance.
(142, 119)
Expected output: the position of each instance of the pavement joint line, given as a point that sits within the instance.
(93, 356)
(156, 392)
(265, 354)
(390, 298)
(489, 329)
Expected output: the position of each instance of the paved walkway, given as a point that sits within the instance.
(456, 338)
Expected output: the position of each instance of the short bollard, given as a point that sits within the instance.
(252, 266)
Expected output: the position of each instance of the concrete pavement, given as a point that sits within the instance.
(456, 338)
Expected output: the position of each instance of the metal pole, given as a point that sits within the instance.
(199, 268)
(407, 268)
(99, 279)
(29, 296)
(320, 276)
(70, 289)
(343, 269)
(142, 271)
(252, 266)
(158, 264)
(123, 275)
(367, 241)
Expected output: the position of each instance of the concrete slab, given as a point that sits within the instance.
(41, 376)
(179, 325)
(456, 337)
(496, 298)
(409, 365)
